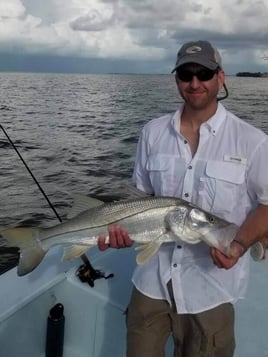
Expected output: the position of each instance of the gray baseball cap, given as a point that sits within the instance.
(201, 52)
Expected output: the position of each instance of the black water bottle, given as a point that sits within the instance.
(55, 331)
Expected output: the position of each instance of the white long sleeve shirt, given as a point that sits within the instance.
(227, 174)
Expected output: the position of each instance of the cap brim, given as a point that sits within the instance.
(198, 60)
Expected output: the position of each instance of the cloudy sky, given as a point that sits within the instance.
(140, 36)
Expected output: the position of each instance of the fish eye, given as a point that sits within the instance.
(211, 219)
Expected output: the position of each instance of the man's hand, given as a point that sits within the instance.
(222, 261)
(118, 238)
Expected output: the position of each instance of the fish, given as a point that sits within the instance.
(150, 221)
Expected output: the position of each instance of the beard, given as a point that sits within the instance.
(199, 100)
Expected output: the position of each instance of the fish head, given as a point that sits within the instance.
(181, 224)
(193, 225)
(201, 221)
(214, 231)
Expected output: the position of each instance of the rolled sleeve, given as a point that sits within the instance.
(258, 173)
(140, 175)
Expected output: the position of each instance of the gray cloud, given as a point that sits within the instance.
(134, 31)
(46, 11)
(92, 22)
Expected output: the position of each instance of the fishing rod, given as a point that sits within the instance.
(30, 172)
(86, 273)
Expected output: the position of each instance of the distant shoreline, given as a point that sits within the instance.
(252, 74)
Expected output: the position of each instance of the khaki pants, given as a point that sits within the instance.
(151, 321)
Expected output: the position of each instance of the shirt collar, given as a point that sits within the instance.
(214, 123)
(176, 118)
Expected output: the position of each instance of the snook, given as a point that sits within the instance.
(148, 220)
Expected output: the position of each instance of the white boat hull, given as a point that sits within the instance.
(94, 317)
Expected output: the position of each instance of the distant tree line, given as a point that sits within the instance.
(249, 74)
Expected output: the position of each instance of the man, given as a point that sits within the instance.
(208, 156)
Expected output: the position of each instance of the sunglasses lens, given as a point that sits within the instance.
(205, 75)
(202, 75)
(185, 75)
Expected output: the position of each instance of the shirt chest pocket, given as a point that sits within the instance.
(166, 173)
(221, 185)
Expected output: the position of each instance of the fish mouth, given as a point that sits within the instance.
(221, 237)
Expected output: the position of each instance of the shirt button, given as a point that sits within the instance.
(175, 265)
(185, 142)
(179, 246)
(190, 167)
(186, 194)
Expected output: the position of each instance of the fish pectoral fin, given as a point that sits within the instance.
(31, 253)
(141, 247)
(82, 203)
(74, 251)
(147, 251)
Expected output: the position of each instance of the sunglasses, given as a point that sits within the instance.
(202, 75)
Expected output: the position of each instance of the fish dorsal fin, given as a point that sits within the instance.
(74, 251)
(132, 191)
(82, 203)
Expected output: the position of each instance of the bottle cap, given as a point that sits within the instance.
(56, 312)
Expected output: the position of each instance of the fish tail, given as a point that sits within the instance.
(26, 239)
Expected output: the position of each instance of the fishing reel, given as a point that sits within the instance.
(87, 274)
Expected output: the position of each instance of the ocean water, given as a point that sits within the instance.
(78, 135)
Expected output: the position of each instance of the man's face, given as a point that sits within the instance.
(198, 85)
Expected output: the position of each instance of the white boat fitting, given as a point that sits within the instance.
(94, 316)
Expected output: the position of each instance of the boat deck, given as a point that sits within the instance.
(94, 317)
